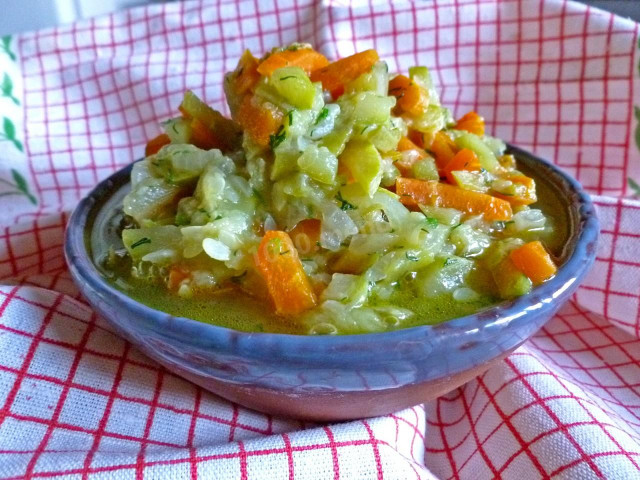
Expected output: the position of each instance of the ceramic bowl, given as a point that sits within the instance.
(334, 377)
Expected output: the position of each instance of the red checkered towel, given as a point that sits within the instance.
(78, 102)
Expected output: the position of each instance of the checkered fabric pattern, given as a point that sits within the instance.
(80, 101)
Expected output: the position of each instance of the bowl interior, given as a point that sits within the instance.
(472, 339)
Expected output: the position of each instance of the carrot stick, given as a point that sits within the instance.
(405, 164)
(259, 122)
(443, 149)
(471, 122)
(156, 144)
(306, 58)
(431, 192)
(410, 97)
(534, 261)
(306, 235)
(278, 262)
(336, 75)
(465, 159)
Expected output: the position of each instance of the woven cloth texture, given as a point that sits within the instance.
(79, 101)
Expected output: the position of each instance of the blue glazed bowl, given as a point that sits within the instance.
(335, 377)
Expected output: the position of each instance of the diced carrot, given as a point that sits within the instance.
(176, 276)
(410, 96)
(336, 75)
(306, 235)
(406, 144)
(406, 163)
(156, 144)
(183, 112)
(465, 159)
(227, 132)
(443, 149)
(471, 122)
(534, 261)
(258, 121)
(246, 74)
(306, 58)
(431, 192)
(528, 197)
(278, 262)
(202, 136)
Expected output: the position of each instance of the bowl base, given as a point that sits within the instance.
(335, 406)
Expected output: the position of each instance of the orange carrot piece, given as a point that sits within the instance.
(528, 197)
(431, 192)
(405, 164)
(471, 122)
(259, 122)
(278, 262)
(336, 75)
(246, 74)
(411, 98)
(306, 235)
(306, 58)
(465, 159)
(156, 144)
(176, 276)
(407, 144)
(534, 261)
(202, 136)
(443, 149)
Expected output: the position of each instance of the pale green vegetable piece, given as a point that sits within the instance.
(365, 164)
(348, 289)
(487, 159)
(475, 181)
(469, 242)
(422, 76)
(376, 81)
(372, 108)
(445, 216)
(510, 281)
(319, 163)
(443, 275)
(294, 85)
(385, 137)
(426, 169)
(178, 130)
(142, 241)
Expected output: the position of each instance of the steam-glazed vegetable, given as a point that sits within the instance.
(338, 199)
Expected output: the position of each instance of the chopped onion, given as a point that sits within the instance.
(216, 249)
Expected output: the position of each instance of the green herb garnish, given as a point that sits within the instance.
(322, 115)
(344, 204)
(142, 241)
(432, 222)
(278, 138)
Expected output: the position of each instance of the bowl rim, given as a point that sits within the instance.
(207, 335)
